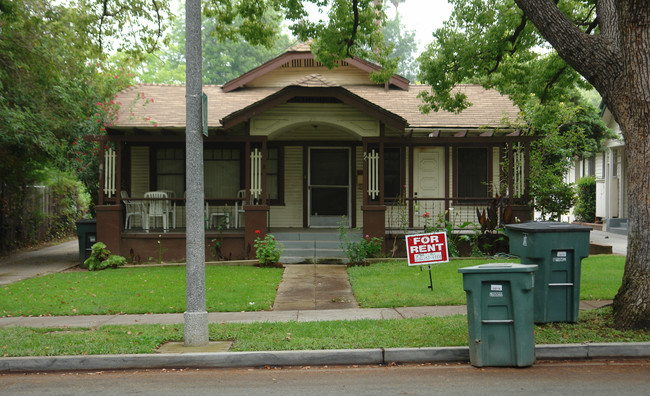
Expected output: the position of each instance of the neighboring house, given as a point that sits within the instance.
(293, 145)
(610, 169)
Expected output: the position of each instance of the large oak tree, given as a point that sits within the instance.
(616, 61)
(607, 42)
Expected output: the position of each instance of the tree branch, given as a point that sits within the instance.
(593, 56)
(355, 26)
(513, 41)
(550, 83)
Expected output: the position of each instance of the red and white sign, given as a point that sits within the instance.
(423, 249)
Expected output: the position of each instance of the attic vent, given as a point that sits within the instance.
(308, 63)
(313, 99)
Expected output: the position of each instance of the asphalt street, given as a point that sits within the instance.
(557, 378)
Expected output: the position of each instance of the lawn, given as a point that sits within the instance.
(593, 326)
(139, 290)
(395, 284)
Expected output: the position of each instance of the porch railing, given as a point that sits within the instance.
(415, 213)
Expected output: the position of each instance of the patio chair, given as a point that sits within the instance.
(214, 217)
(239, 207)
(157, 207)
(133, 209)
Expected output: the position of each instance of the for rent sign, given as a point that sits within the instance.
(426, 249)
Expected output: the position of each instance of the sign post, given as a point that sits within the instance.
(427, 249)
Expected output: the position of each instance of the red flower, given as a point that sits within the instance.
(426, 215)
(258, 232)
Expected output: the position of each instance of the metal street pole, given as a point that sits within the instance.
(196, 316)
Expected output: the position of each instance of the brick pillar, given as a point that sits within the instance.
(374, 222)
(109, 226)
(254, 220)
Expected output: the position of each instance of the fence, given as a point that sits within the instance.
(414, 213)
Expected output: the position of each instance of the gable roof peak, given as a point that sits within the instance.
(305, 46)
(315, 80)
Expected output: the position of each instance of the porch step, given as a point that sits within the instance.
(617, 226)
(321, 247)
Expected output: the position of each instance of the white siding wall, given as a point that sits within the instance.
(281, 77)
(290, 215)
(139, 171)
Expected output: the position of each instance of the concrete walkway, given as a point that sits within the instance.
(39, 262)
(314, 286)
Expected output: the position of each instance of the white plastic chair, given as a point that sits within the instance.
(212, 218)
(157, 207)
(133, 209)
(171, 206)
(239, 207)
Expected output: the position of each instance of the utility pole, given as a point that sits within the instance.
(196, 316)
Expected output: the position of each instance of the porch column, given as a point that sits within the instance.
(374, 222)
(255, 220)
(109, 226)
(374, 215)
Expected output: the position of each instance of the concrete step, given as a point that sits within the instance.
(313, 246)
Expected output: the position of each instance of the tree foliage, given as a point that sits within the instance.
(223, 59)
(403, 47)
(51, 78)
(348, 27)
(601, 42)
(493, 43)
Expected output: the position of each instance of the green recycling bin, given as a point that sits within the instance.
(87, 234)
(499, 314)
(558, 250)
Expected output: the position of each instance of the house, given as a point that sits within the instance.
(292, 145)
(610, 169)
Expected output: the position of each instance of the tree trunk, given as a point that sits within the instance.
(617, 63)
(632, 302)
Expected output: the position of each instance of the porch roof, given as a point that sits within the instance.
(154, 106)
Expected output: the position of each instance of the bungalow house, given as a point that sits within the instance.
(610, 169)
(292, 145)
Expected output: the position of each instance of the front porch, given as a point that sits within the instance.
(317, 245)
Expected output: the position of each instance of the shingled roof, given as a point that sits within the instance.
(157, 105)
(163, 106)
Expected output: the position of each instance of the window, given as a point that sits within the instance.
(170, 170)
(222, 172)
(274, 175)
(472, 178)
(392, 172)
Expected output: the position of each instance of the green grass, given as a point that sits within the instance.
(601, 276)
(395, 284)
(593, 326)
(139, 290)
(231, 289)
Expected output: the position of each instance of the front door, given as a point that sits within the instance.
(329, 187)
(429, 177)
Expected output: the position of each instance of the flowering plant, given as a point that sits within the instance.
(267, 250)
(358, 251)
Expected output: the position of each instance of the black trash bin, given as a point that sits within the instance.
(558, 250)
(87, 233)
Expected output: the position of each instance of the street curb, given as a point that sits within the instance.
(308, 358)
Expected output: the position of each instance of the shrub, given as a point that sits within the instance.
(267, 250)
(101, 258)
(358, 251)
(585, 209)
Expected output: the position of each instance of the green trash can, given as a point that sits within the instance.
(499, 314)
(558, 250)
(87, 234)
